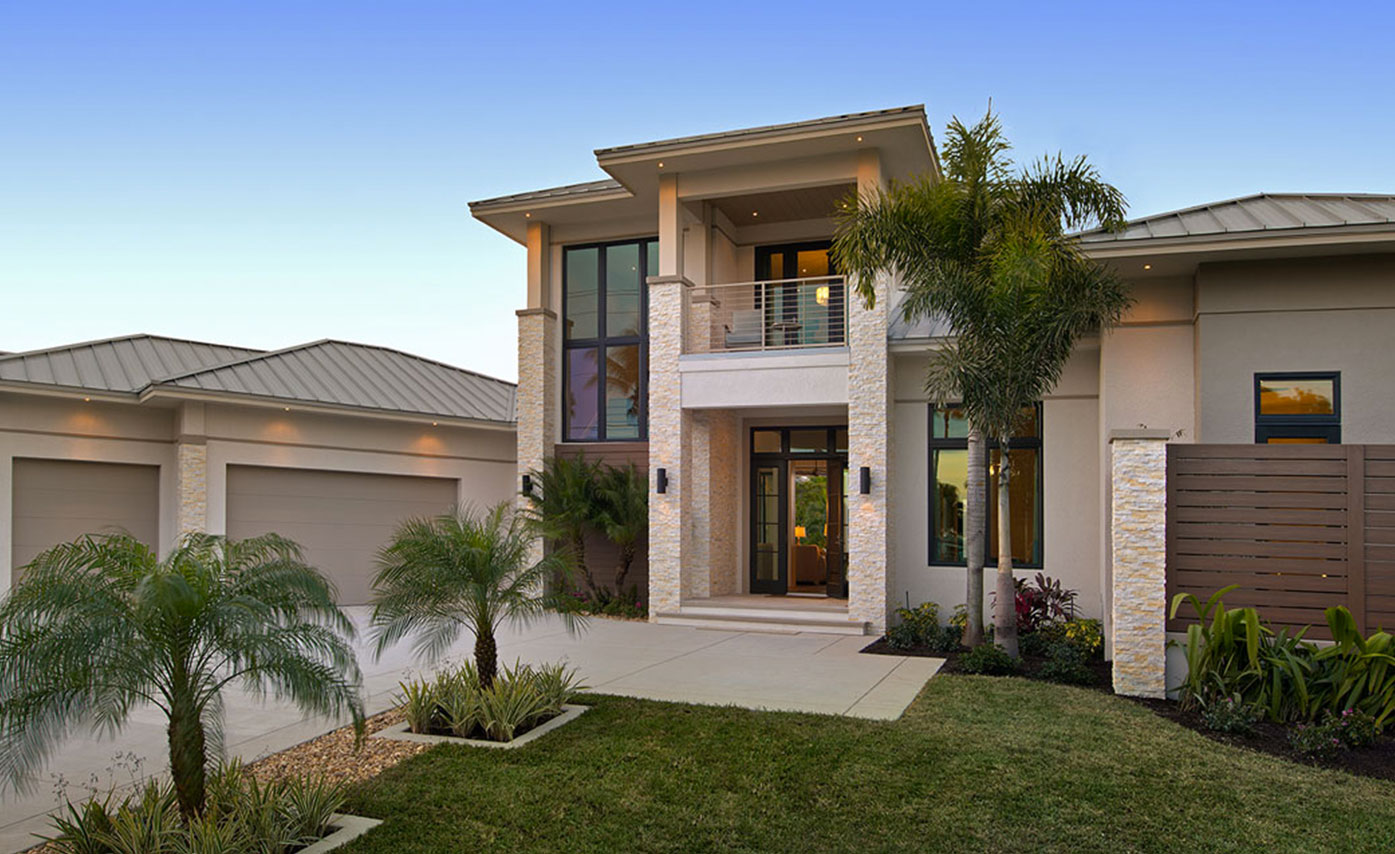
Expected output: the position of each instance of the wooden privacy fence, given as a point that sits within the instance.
(1299, 527)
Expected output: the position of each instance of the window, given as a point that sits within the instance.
(604, 321)
(1298, 408)
(949, 486)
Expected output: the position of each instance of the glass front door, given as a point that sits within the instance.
(798, 510)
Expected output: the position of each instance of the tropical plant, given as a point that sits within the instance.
(462, 571)
(100, 625)
(621, 512)
(520, 698)
(1320, 740)
(986, 249)
(1229, 714)
(562, 508)
(1065, 663)
(988, 659)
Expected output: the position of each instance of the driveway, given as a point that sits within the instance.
(801, 672)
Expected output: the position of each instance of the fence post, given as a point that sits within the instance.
(1356, 534)
(1138, 552)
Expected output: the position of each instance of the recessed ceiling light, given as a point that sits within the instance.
(859, 139)
(754, 213)
(1147, 266)
(661, 164)
(527, 215)
(87, 400)
(433, 423)
(287, 408)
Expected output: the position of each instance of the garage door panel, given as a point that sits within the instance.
(55, 501)
(341, 519)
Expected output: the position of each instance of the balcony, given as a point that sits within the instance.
(783, 314)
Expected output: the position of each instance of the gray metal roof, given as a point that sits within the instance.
(1262, 212)
(115, 364)
(808, 124)
(567, 191)
(340, 373)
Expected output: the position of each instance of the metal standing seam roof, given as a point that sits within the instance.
(567, 191)
(362, 376)
(126, 364)
(1262, 212)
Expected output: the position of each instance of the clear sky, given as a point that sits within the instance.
(266, 173)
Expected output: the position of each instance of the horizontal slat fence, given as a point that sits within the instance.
(1299, 527)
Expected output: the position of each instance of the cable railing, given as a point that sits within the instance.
(780, 314)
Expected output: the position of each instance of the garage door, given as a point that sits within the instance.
(59, 500)
(340, 518)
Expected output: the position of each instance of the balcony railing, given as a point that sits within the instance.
(782, 314)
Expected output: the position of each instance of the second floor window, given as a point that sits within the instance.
(604, 323)
(1298, 408)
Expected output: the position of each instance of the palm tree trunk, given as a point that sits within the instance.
(579, 552)
(627, 559)
(188, 753)
(1005, 616)
(974, 548)
(486, 656)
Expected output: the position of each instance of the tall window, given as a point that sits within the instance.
(949, 487)
(604, 318)
(1300, 408)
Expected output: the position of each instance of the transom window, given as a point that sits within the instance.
(949, 487)
(604, 321)
(1298, 408)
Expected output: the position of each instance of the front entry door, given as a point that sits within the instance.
(769, 527)
(798, 510)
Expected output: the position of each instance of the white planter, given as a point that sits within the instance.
(402, 732)
(346, 828)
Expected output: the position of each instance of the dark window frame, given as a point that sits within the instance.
(1037, 443)
(1328, 427)
(601, 341)
(786, 297)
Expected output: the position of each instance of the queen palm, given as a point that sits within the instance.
(987, 249)
(562, 507)
(621, 512)
(100, 626)
(462, 571)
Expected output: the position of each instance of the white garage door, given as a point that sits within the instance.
(341, 519)
(59, 500)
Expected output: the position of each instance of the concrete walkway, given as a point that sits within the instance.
(802, 672)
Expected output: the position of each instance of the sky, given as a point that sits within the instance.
(269, 173)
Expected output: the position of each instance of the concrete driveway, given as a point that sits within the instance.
(801, 672)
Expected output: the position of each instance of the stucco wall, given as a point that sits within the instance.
(1327, 314)
(1071, 514)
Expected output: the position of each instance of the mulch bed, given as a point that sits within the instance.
(336, 756)
(1377, 761)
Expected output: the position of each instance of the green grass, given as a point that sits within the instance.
(976, 764)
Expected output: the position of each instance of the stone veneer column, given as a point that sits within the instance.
(670, 430)
(191, 485)
(1138, 551)
(869, 442)
(536, 398)
(724, 498)
(697, 521)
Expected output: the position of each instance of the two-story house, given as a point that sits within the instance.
(683, 314)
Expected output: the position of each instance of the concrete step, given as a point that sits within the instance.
(772, 620)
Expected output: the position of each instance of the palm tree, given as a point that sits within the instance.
(100, 626)
(562, 508)
(461, 571)
(987, 249)
(622, 513)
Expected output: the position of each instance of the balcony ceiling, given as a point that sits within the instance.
(784, 205)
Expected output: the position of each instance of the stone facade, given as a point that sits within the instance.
(1138, 547)
(670, 427)
(191, 487)
(537, 392)
(869, 444)
(724, 501)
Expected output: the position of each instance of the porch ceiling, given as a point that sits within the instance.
(785, 205)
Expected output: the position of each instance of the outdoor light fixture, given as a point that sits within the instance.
(661, 481)
(527, 484)
(821, 295)
(864, 481)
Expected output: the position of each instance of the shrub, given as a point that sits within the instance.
(1230, 714)
(1085, 635)
(1035, 643)
(944, 640)
(520, 698)
(1354, 727)
(1322, 741)
(988, 660)
(1041, 602)
(1065, 663)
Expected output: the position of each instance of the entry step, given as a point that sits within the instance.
(755, 618)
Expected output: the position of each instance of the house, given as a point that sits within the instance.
(684, 313)
(328, 443)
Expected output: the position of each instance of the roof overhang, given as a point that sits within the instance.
(1173, 256)
(901, 136)
(162, 393)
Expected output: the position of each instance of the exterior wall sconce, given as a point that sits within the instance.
(864, 480)
(527, 484)
(661, 481)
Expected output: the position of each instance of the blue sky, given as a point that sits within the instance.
(269, 173)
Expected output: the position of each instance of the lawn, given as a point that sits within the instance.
(976, 764)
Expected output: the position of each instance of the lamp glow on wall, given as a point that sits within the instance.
(821, 295)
